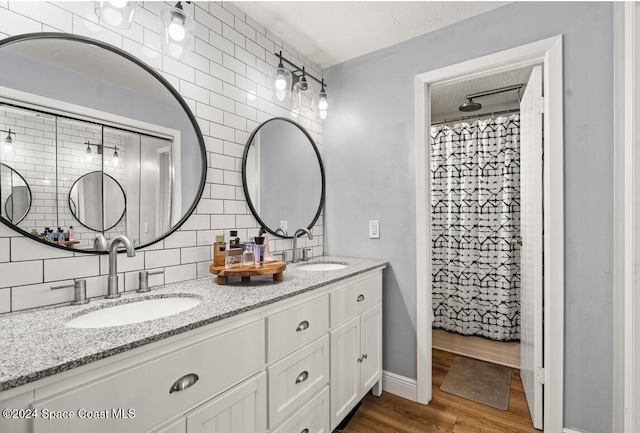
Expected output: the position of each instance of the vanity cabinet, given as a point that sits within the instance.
(297, 365)
(356, 346)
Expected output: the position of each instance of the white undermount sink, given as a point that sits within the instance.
(316, 267)
(133, 312)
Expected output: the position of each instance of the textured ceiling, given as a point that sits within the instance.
(445, 100)
(330, 32)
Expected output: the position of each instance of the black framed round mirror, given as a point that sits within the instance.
(136, 119)
(15, 195)
(97, 201)
(283, 177)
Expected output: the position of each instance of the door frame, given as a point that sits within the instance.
(547, 52)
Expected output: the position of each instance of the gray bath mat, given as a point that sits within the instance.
(479, 381)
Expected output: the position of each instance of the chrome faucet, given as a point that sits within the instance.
(100, 243)
(295, 242)
(282, 232)
(112, 287)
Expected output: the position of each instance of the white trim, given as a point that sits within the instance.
(549, 53)
(399, 385)
(568, 430)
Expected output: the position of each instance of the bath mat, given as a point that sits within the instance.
(479, 381)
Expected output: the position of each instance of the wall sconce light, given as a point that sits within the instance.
(116, 157)
(88, 153)
(297, 88)
(7, 142)
(177, 31)
(115, 13)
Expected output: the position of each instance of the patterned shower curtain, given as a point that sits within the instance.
(475, 208)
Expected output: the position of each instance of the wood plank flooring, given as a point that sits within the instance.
(446, 413)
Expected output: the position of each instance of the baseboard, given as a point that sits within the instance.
(399, 385)
(569, 430)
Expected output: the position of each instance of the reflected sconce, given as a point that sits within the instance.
(115, 13)
(88, 153)
(116, 157)
(294, 85)
(177, 31)
(7, 142)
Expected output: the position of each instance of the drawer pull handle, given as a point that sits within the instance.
(302, 377)
(360, 298)
(305, 431)
(360, 359)
(184, 382)
(302, 326)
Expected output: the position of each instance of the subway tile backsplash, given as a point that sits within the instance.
(232, 57)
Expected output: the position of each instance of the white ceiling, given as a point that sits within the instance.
(330, 32)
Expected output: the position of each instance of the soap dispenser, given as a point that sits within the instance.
(267, 254)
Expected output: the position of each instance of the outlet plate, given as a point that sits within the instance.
(374, 229)
(284, 226)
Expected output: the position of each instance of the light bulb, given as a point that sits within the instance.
(281, 95)
(323, 104)
(281, 82)
(88, 155)
(176, 31)
(8, 146)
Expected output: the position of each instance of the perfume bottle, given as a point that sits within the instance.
(248, 257)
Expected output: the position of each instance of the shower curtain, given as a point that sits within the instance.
(475, 226)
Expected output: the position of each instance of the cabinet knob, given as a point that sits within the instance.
(364, 356)
(302, 377)
(302, 326)
(184, 382)
(360, 359)
(360, 298)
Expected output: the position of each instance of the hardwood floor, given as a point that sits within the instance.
(445, 413)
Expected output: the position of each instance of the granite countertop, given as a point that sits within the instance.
(35, 343)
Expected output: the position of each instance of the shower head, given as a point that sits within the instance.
(470, 105)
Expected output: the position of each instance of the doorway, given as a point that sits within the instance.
(548, 54)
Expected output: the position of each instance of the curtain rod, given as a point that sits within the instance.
(474, 116)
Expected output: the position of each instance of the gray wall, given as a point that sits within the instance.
(369, 161)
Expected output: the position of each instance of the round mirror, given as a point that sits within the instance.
(283, 177)
(97, 201)
(85, 108)
(15, 195)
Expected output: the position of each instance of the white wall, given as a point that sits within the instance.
(233, 55)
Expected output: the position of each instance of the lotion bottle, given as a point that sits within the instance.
(267, 254)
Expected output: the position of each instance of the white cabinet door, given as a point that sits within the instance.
(177, 426)
(370, 348)
(242, 409)
(345, 370)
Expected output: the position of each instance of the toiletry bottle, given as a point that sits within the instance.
(45, 234)
(71, 235)
(50, 235)
(218, 251)
(234, 240)
(267, 254)
(60, 235)
(258, 251)
(248, 258)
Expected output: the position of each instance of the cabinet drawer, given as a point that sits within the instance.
(297, 326)
(312, 418)
(355, 298)
(293, 380)
(144, 391)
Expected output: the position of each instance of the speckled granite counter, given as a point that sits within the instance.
(35, 344)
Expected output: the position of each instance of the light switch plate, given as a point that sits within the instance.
(374, 229)
(284, 226)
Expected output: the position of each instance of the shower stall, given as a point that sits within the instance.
(475, 229)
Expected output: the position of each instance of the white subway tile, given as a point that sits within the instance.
(143, 52)
(38, 295)
(213, 144)
(196, 254)
(197, 222)
(162, 258)
(208, 82)
(223, 74)
(207, 20)
(5, 250)
(209, 206)
(181, 239)
(229, 61)
(256, 50)
(245, 29)
(221, 131)
(98, 286)
(233, 149)
(234, 121)
(243, 136)
(178, 69)
(234, 36)
(23, 248)
(199, 62)
(233, 92)
(203, 269)
(123, 262)
(72, 267)
(207, 237)
(15, 24)
(174, 274)
(235, 207)
(197, 93)
(256, 25)
(222, 43)
(5, 300)
(233, 178)
(222, 102)
(87, 26)
(245, 57)
(234, 10)
(223, 221)
(209, 113)
(246, 221)
(20, 273)
(46, 13)
(215, 175)
(132, 280)
(209, 51)
(220, 13)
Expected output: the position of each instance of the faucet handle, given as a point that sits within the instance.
(306, 254)
(143, 280)
(283, 254)
(79, 291)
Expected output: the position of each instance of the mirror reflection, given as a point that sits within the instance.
(100, 201)
(15, 195)
(94, 128)
(283, 177)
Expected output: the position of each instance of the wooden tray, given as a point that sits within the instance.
(272, 268)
